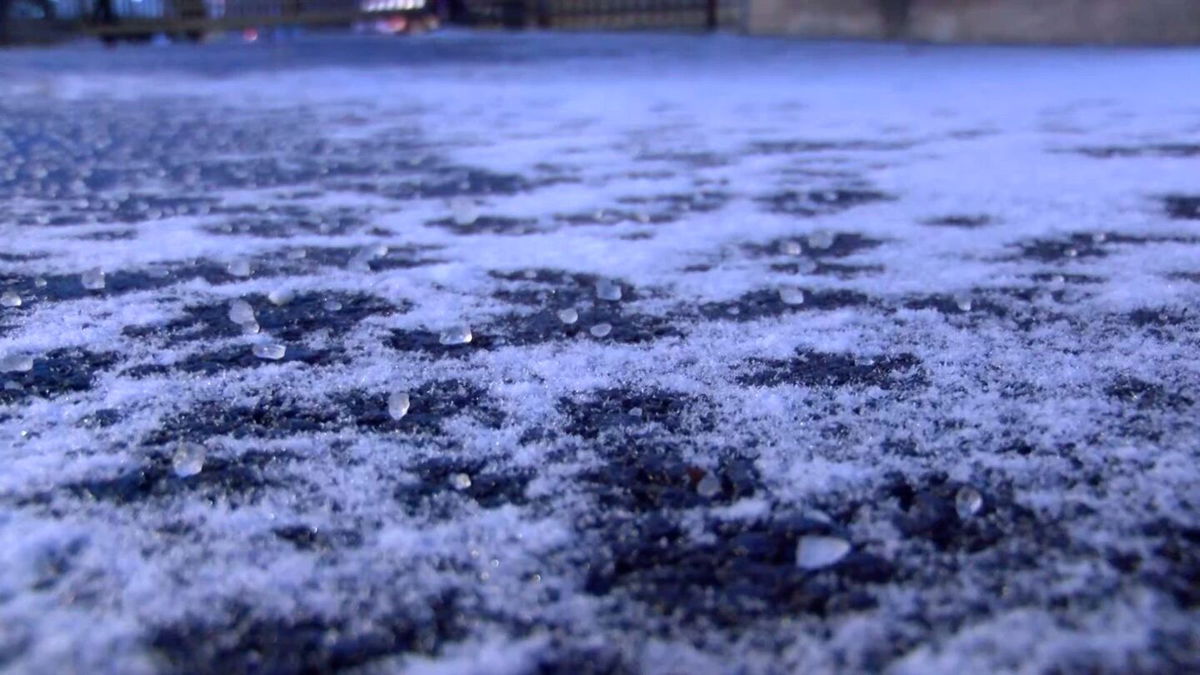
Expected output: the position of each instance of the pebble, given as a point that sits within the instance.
(10, 299)
(93, 279)
(398, 403)
(240, 312)
(607, 289)
(456, 335)
(568, 315)
(709, 486)
(814, 552)
(600, 330)
(967, 502)
(790, 295)
(281, 296)
(270, 350)
(16, 363)
(239, 268)
(460, 481)
(188, 459)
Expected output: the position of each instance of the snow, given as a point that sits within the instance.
(634, 500)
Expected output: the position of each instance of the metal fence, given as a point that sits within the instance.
(24, 21)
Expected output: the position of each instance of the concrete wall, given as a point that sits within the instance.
(1053, 21)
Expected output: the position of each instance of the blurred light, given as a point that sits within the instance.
(392, 5)
(250, 34)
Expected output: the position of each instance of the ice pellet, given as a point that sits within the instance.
(240, 312)
(820, 239)
(239, 268)
(40, 282)
(188, 459)
(281, 296)
(568, 315)
(790, 295)
(332, 306)
(463, 211)
(460, 481)
(607, 289)
(709, 486)
(600, 330)
(93, 279)
(10, 299)
(791, 247)
(250, 328)
(456, 335)
(16, 363)
(271, 351)
(361, 261)
(967, 502)
(398, 403)
(806, 265)
(963, 303)
(297, 254)
(816, 551)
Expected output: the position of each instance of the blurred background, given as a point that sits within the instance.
(25, 22)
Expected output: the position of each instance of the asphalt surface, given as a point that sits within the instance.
(783, 357)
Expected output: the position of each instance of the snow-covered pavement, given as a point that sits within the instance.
(519, 353)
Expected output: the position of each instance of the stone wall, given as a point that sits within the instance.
(1047, 21)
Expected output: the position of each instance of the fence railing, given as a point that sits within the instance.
(23, 21)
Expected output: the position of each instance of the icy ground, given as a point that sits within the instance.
(902, 375)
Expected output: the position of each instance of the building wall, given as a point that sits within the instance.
(1055, 21)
